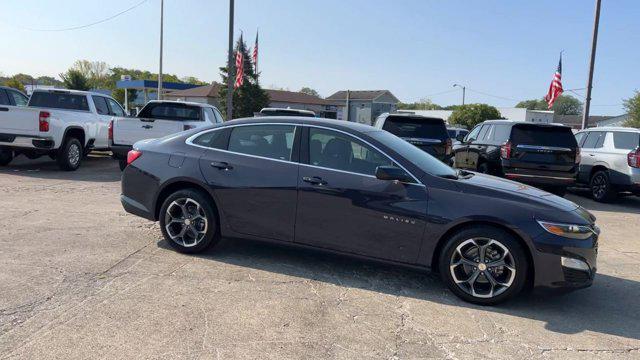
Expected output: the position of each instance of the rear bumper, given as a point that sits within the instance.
(540, 177)
(26, 141)
(136, 208)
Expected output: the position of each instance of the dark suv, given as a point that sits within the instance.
(428, 134)
(543, 155)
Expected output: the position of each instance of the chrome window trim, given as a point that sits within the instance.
(189, 141)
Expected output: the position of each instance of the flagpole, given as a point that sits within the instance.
(160, 69)
(594, 41)
(230, 69)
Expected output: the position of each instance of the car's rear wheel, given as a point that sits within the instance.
(6, 156)
(188, 221)
(601, 188)
(483, 265)
(69, 155)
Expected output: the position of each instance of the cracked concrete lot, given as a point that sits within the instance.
(80, 278)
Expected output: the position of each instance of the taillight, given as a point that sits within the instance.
(578, 156)
(447, 146)
(43, 121)
(110, 134)
(505, 150)
(133, 155)
(633, 158)
(187, 127)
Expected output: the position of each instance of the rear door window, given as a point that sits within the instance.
(501, 133)
(17, 98)
(626, 140)
(416, 127)
(269, 141)
(537, 135)
(171, 111)
(485, 133)
(593, 139)
(56, 100)
(101, 105)
(4, 99)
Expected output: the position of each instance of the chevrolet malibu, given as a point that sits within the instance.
(353, 189)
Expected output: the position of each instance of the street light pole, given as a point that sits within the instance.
(160, 70)
(464, 90)
(230, 65)
(594, 41)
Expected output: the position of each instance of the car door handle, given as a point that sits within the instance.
(147, 126)
(221, 165)
(316, 180)
(4, 109)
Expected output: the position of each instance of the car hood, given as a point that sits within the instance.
(498, 187)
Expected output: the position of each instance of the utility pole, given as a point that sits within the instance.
(348, 107)
(230, 65)
(160, 71)
(464, 90)
(594, 41)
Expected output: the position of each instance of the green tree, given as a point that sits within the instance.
(564, 105)
(248, 98)
(423, 104)
(14, 83)
(48, 80)
(193, 80)
(96, 72)
(75, 80)
(309, 91)
(632, 106)
(472, 114)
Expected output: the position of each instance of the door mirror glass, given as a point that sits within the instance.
(392, 173)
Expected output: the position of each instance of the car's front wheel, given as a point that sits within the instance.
(483, 265)
(188, 221)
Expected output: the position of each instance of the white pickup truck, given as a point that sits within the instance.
(158, 119)
(64, 124)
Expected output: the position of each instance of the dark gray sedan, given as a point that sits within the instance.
(353, 189)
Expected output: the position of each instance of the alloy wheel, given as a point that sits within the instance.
(74, 154)
(186, 222)
(599, 186)
(482, 267)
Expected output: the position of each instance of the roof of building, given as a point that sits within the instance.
(212, 91)
(152, 85)
(577, 119)
(294, 97)
(367, 95)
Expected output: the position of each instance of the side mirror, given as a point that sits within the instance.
(392, 173)
(460, 137)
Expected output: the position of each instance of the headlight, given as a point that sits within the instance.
(571, 231)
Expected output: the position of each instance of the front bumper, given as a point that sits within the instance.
(565, 263)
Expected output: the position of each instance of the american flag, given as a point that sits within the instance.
(555, 89)
(255, 53)
(239, 67)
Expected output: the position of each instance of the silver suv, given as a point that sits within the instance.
(610, 161)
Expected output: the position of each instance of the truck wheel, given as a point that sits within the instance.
(601, 188)
(70, 155)
(5, 157)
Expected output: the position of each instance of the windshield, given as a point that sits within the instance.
(416, 127)
(59, 100)
(419, 158)
(554, 136)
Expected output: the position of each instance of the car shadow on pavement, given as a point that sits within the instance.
(97, 167)
(623, 204)
(610, 306)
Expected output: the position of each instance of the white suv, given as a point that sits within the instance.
(610, 161)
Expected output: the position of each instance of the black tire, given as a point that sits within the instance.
(483, 167)
(122, 164)
(6, 156)
(210, 231)
(69, 155)
(558, 190)
(477, 234)
(601, 188)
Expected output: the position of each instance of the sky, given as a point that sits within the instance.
(502, 51)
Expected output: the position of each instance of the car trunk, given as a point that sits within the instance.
(542, 147)
(428, 134)
(127, 131)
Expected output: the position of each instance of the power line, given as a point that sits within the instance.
(440, 93)
(86, 25)
(494, 96)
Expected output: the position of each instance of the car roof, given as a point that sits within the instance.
(297, 120)
(181, 102)
(287, 109)
(516, 122)
(412, 116)
(612, 128)
(68, 91)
